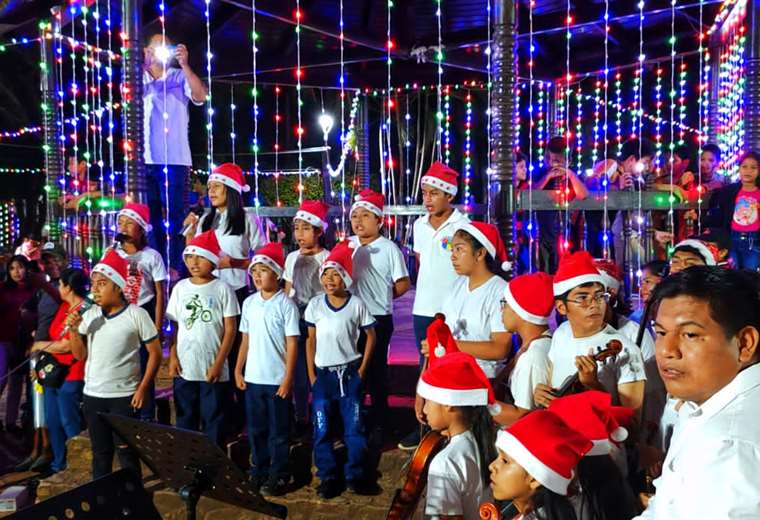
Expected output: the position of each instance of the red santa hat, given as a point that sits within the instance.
(592, 415)
(611, 275)
(113, 267)
(137, 212)
(439, 338)
(546, 448)
(457, 380)
(489, 237)
(442, 177)
(340, 260)
(575, 269)
(708, 251)
(531, 297)
(314, 212)
(272, 256)
(231, 175)
(372, 201)
(206, 245)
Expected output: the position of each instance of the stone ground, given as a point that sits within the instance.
(302, 502)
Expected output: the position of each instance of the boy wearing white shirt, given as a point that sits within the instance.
(336, 370)
(381, 275)
(109, 340)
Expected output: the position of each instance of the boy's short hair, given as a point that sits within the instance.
(637, 148)
(713, 149)
(556, 144)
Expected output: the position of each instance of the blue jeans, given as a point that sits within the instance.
(745, 250)
(198, 402)
(63, 414)
(268, 418)
(344, 388)
(155, 179)
(421, 324)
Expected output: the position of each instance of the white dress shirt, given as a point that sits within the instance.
(711, 470)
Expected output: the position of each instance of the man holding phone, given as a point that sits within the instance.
(168, 84)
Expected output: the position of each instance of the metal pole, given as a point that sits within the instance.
(132, 95)
(752, 87)
(502, 126)
(362, 145)
(54, 160)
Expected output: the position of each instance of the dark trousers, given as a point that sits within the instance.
(421, 324)
(199, 402)
(268, 418)
(104, 440)
(377, 371)
(339, 386)
(301, 384)
(158, 204)
(63, 415)
(235, 406)
(148, 410)
(745, 250)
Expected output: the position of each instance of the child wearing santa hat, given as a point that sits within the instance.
(204, 310)
(527, 304)
(458, 399)
(579, 294)
(302, 284)
(433, 235)
(380, 275)
(537, 457)
(146, 280)
(109, 339)
(337, 370)
(268, 352)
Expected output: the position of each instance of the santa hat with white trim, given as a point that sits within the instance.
(457, 380)
(372, 201)
(442, 177)
(545, 447)
(206, 245)
(531, 297)
(313, 212)
(592, 415)
(575, 269)
(113, 267)
(489, 237)
(611, 275)
(140, 213)
(231, 175)
(272, 256)
(702, 248)
(341, 260)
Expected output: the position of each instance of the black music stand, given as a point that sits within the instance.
(117, 495)
(191, 464)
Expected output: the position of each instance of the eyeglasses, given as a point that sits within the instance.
(587, 299)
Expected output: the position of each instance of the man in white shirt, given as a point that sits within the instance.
(168, 83)
(708, 329)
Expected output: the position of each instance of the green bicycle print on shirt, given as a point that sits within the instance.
(196, 312)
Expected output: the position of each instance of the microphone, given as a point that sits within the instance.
(197, 210)
(83, 307)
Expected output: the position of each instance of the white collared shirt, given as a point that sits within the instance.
(435, 274)
(710, 471)
(378, 265)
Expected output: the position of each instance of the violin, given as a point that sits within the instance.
(490, 511)
(568, 386)
(405, 500)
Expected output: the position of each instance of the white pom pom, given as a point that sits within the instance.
(246, 188)
(357, 198)
(506, 266)
(149, 228)
(494, 409)
(439, 351)
(352, 244)
(619, 434)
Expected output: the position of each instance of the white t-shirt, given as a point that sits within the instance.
(235, 246)
(435, 273)
(199, 311)
(475, 315)
(113, 350)
(626, 367)
(377, 266)
(337, 329)
(146, 267)
(177, 143)
(454, 485)
(302, 271)
(268, 323)
(531, 369)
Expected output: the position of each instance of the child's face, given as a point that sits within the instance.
(585, 308)
(332, 282)
(365, 223)
(509, 480)
(199, 266)
(708, 163)
(264, 279)
(129, 227)
(648, 282)
(436, 415)
(306, 235)
(104, 291)
(435, 201)
(748, 171)
(683, 259)
(217, 194)
(509, 318)
(463, 257)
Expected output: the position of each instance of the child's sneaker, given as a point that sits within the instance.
(275, 487)
(363, 487)
(329, 488)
